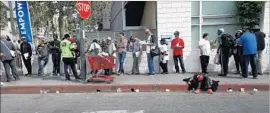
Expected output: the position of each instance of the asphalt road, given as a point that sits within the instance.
(168, 102)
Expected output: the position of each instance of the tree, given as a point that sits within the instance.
(3, 13)
(249, 12)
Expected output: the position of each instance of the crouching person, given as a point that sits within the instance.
(202, 82)
(164, 56)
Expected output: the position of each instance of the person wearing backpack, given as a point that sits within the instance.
(226, 45)
(249, 43)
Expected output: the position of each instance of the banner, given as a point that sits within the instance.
(23, 20)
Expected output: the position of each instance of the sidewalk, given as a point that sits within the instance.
(127, 82)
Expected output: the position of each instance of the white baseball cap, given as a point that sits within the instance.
(109, 38)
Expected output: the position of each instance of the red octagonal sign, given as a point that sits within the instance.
(84, 9)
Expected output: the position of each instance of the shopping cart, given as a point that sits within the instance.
(100, 63)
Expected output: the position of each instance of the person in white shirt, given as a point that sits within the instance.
(164, 56)
(205, 50)
(95, 48)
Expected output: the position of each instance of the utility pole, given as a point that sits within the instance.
(82, 55)
(11, 18)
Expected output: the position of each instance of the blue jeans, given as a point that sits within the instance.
(122, 57)
(42, 63)
(252, 59)
(150, 61)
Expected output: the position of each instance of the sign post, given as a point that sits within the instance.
(84, 10)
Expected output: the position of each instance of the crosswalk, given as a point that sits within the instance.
(115, 111)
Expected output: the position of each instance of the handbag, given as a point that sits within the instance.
(217, 59)
(156, 51)
(11, 52)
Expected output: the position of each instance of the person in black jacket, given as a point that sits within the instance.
(260, 46)
(26, 52)
(238, 53)
(56, 55)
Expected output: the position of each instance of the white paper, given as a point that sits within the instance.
(137, 54)
(25, 55)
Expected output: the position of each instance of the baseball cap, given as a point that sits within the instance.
(200, 77)
(109, 38)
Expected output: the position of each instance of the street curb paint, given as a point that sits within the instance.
(82, 88)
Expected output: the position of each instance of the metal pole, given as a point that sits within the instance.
(82, 56)
(11, 18)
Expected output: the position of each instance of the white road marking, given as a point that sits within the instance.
(114, 111)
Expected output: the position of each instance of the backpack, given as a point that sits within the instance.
(227, 41)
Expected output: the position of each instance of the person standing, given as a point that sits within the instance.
(164, 56)
(249, 43)
(94, 50)
(134, 46)
(238, 53)
(56, 55)
(68, 58)
(7, 55)
(26, 51)
(226, 44)
(260, 36)
(150, 45)
(122, 51)
(178, 45)
(205, 50)
(111, 50)
(43, 56)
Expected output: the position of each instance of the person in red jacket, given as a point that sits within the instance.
(178, 45)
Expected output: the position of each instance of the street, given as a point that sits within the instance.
(142, 102)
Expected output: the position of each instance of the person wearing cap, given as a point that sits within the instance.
(56, 54)
(164, 56)
(111, 51)
(134, 46)
(178, 45)
(226, 44)
(249, 43)
(26, 51)
(68, 58)
(122, 51)
(260, 36)
(43, 56)
(238, 53)
(201, 79)
(7, 57)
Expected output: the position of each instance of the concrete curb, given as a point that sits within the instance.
(88, 88)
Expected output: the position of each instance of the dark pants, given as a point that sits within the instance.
(10, 64)
(179, 59)
(239, 62)
(164, 66)
(204, 63)
(56, 62)
(108, 71)
(224, 57)
(28, 65)
(206, 83)
(252, 60)
(70, 62)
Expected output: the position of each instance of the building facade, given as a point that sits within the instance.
(192, 19)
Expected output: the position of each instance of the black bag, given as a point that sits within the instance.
(154, 52)
(228, 43)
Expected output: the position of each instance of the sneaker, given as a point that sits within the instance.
(255, 77)
(197, 91)
(209, 91)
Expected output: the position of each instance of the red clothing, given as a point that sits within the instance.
(71, 40)
(177, 51)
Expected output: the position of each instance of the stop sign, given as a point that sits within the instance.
(84, 9)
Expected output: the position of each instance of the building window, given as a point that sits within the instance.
(213, 15)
